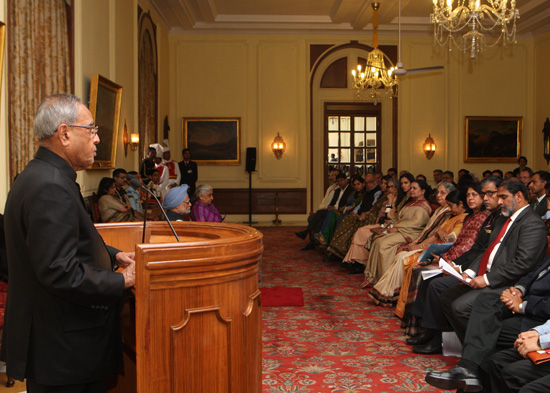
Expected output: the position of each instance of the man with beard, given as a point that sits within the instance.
(177, 204)
(514, 252)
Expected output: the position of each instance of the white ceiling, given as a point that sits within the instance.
(321, 16)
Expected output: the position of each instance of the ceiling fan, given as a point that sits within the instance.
(400, 70)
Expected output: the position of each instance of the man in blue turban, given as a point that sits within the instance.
(176, 203)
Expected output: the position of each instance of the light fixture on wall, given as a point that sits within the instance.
(278, 146)
(474, 18)
(377, 74)
(429, 147)
(132, 141)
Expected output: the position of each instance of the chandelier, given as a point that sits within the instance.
(377, 81)
(497, 17)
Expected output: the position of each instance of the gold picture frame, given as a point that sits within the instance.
(105, 101)
(213, 140)
(492, 138)
(2, 49)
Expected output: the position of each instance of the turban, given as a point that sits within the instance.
(158, 148)
(175, 196)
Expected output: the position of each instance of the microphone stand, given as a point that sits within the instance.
(136, 183)
(145, 217)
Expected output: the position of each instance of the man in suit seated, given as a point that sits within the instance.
(511, 371)
(538, 188)
(476, 310)
(315, 221)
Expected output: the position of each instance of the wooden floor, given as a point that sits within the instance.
(17, 388)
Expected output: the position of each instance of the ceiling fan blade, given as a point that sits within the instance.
(424, 69)
(400, 71)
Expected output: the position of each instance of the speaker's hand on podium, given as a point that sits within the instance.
(126, 260)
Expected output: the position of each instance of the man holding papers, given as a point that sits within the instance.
(513, 252)
(427, 304)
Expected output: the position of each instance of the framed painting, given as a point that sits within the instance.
(213, 140)
(105, 99)
(492, 139)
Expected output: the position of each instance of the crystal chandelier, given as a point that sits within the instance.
(377, 81)
(474, 19)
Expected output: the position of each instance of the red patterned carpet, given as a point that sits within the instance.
(338, 341)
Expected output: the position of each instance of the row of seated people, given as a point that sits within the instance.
(497, 242)
(119, 201)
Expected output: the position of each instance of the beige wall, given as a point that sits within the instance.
(264, 80)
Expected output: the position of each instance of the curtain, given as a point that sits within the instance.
(147, 87)
(38, 64)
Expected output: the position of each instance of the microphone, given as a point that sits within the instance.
(134, 181)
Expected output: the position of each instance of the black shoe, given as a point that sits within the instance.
(357, 268)
(420, 339)
(310, 246)
(432, 347)
(331, 258)
(302, 234)
(455, 378)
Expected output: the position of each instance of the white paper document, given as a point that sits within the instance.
(447, 268)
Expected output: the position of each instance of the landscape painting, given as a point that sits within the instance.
(493, 139)
(213, 141)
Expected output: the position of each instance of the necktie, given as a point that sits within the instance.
(536, 204)
(485, 258)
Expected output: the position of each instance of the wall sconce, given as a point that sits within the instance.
(429, 147)
(546, 133)
(278, 146)
(132, 141)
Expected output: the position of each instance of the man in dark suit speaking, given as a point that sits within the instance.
(61, 331)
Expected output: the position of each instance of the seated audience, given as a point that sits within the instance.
(315, 221)
(524, 175)
(330, 190)
(487, 174)
(341, 240)
(413, 282)
(111, 209)
(384, 243)
(496, 320)
(203, 209)
(448, 177)
(357, 255)
(498, 172)
(177, 203)
(508, 174)
(334, 217)
(443, 227)
(134, 196)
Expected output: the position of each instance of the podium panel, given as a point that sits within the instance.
(197, 308)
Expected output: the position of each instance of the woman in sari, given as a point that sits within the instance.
(413, 277)
(335, 216)
(112, 209)
(341, 239)
(357, 254)
(412, 219)
(438, 230)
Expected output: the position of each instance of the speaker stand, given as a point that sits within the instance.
(250, 222)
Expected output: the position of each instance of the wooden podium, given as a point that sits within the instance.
(197, 308)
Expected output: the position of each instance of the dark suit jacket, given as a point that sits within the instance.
(347, 193)
(537, 294)
(541, 208)
(189, 175)
(491, 224)
(521, 250)
(61, 323)
(368, 200)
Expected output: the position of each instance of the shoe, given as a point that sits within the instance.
(357, 268)
(455, 378)
(432, 347)
(420, 339)
(302, 234)
(310, 246)
(331, 258)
